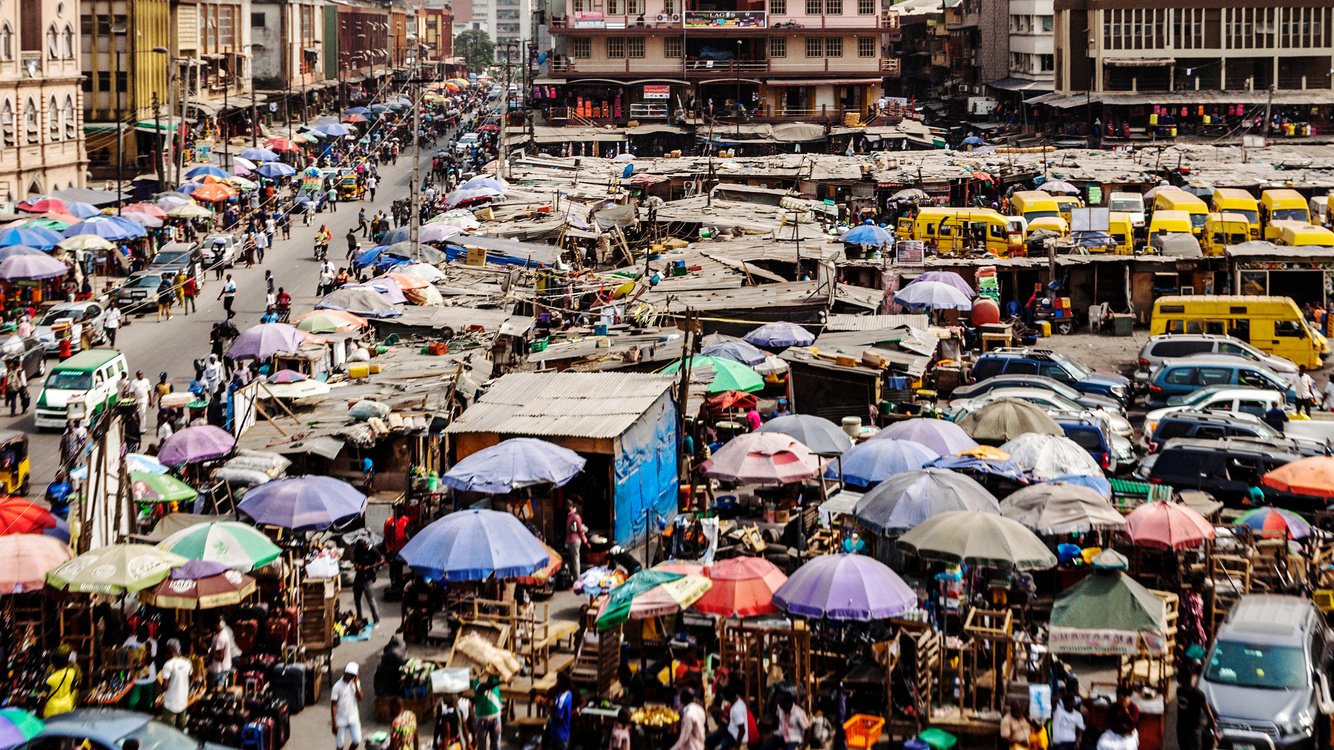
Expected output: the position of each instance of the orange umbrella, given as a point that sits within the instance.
(213, 192)
(408, 283)
(281, 144)
(742, 587)
(541, 577)
(1312, 476)
(1167, 526)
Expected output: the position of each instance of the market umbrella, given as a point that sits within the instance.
(335, 129)
(329, 321)
(287, 376)
(196, 444)
(867, 234)
(1053, 508)
(280, 145)
(362, 302)
(240, 183)
(242, 165)
(1008, 418)
(114, 569)
(481, 181)
(207, 170)
(514, 464)
(1051, 456)
(942, 436)
(762, 458)
(543, 576)
(259, 154)
(727, 375)
(357, 111)
(1058, 187)
(144, 208)
(171, 199)
(438, 232)
(651, 593)
(159, 488)
(354, 118)
(780, 336)
(17, 727)
(86, 242)
(819, 435)
(910, 194)
(979, 539)
(230, 543)
(42, 239)
(114, 228)
(424, 271)
(875, 461)
(721, 402)
(459, 218)
(135, 463)
(1107, 600)
(213, 193)
(735, 349)
(31, 267)
(949, 278)
(200, 585)
(81, 210)
(475, 545)
(742, 587)
(1274, 522)
(935, 295)
(190, 211)
(392, 292)
(1098, 484)
(905, 501)
(303, 503)
(25, 559)
(1003, 468)
(845, 587)
(1167, 526)
(6, 252)
(53, 221)
(265, 340)
(470, 196)
(152, 222)
(274, 170)
(42, 205)
(1312, 476)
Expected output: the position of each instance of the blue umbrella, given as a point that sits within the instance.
(780, 336)
(304, 503)
(379, 108)
(1098, 484)
(875, 461)
(38, 237)
(108, 228)
(276, 169)
(867, 234)
(188, 187)
(336, 129)
(1005, 469)
(971, 140)
(357, 111)
(393, 236)
(259, 154)
(207, 170)
(474, 545)
(935, 295)
(369, 257)
(514, 464)
(910, 498)
(739, 351)
(82, 210)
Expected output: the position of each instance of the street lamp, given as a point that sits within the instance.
(119, 31)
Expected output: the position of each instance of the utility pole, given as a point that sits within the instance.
(254, 111)
(157, 129)
(180, 129)
(118, 33)
(504, 113)
(414, 221)
(224, 129)
(1269, 109)
(169, 139)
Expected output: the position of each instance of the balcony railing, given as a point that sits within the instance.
(700, 68)
(725, 19)
(721, 20)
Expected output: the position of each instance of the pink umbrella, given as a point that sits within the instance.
(763, 458)
(147, 220)
(1167, 526)
(195, 444)
(25, 560)
(145, 208)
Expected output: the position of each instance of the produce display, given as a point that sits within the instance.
(654, 716)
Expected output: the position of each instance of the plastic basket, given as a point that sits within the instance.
(863, 731)
(938, 739)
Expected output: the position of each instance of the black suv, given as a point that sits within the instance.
(1226, 467)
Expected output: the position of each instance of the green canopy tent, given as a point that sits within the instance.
(1109, 614)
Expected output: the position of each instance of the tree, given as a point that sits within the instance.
(477, 48)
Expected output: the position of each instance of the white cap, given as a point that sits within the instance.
(351, 668)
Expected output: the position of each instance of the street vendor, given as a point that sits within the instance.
(62, 685)
(144, 647)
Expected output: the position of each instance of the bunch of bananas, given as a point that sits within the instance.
(655, 716)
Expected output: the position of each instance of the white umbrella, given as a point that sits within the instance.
(1049, 456)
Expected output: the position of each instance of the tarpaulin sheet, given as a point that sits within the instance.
(646, 476)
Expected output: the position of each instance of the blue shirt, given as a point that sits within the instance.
(269, 317)
(558, 723)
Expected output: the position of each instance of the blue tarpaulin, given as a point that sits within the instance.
(646, 478)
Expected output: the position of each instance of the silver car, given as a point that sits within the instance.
(1178, 345)
(219, 248)
(86, 313)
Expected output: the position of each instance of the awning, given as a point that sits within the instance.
(551, 81)
(1019, 84)
(311, 50)
(654, 130)
(1138, 62)
(825, 82)
(356, 78)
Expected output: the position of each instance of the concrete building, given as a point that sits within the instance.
(1032, 48)
(436, 30)
(212, 41)
(41, 143)
(124, 76)
(288, 43)
(505, 21)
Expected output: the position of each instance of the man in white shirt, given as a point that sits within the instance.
(220, 655)
(344, 700)
(142, 389)
(735, 734)
(175, 677)
(228, 295)
(111, 323)
(1303, 386)
(142, 696)
(792, 722)
(693, 723)
(1067, 724)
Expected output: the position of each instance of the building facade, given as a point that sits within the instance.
(435, 24)
(41, 144)
(125, 61)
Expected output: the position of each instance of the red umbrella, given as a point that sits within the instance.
(489, 127)
(354, 118)
(1167, 526)
(19, 515)
(742, 587)
(281, 144)
(43, 205)
(730, 400)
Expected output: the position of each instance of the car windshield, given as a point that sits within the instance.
(158, 736)
(142, 281)
(1255, 665)
(1127, 205)
(171, 258)
(1289, 214)
(70, 380)
(1076, 370)
(57, 314)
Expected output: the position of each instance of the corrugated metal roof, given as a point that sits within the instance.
(571, 404)
(847, 322)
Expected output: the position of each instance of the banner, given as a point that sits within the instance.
(1103, 642)
(657, 91)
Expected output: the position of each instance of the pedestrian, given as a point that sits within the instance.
(333, 199)
(576, 536)
(792, 722)
(735, 733)
(269, 283)
(1197, 726)
(1067, 723)
(220, 656)
(1275, 417)
(1303, 386)
(270, 228)
(228, 295)
(261, 245)
(351, 244)
(163, 388)
(361, 222)
(175, 677)
(366, 560)
(1123, 723)
(111, 323)
(142, 391)
(164, 298)
(371, 184)
(487, 706)
(61, 693)
(143, 648)
(344, 700)
(285, 222)
(10, 385)
(694, 723)
(189, 293)
(557, 734)
(620, 730)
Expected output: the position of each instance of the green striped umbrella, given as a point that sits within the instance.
(231, 543)
(159, 488)
(113, 570)
(727, 374)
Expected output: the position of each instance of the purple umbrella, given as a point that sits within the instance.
(26, 267)
(943, 437)
(265, 340)
(845, 587)
(197, 569)
(780, 336)
(195, 444)
(473, 545)
(949, 278)
(305, 503)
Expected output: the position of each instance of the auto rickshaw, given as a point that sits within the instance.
(348, 186)
(14, 466)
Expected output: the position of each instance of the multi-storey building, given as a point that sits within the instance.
(125, 57)
(1032, 49)
(812, 60)
(211, 45)
(435, 24)
(41, 144)
(289, 49)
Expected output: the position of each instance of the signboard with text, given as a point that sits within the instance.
(657, 91)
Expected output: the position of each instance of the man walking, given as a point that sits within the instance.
(576, 536)
(228, 295)
(175, 677)
(486, 710)
(343, 704)
(366, 560)
(111, 323)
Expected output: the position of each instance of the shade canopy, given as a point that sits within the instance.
(200, 585)
(978, 539)
(819, 435)
(939, 435)
(474, 545)
(742, 587)
(845, 587)
(19, 515)
(1274, 522)
(868, 235)
(1094, 616)
(721, 374)
(651, 593)
(908, 499)
(196, 444)
(948, 278)
(762, 458)
(114, 569)
(780, 336)
(229, 543)
(303, 503)
(146, 487)
(1051, 456)
(933, 295)
(1061, 508)
(265, 340)
(1167, 525)
(513, 465)
(875, 461)
(17, 727)
(735, 349)
(1312, 476)
(31, 268)
(1006, 419)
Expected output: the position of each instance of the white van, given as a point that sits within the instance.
(1128, 203)
(81, 387)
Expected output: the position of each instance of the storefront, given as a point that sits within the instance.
(1305, 274)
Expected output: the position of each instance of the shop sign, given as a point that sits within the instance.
(657, 91)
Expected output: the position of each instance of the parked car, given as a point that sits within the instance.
(1266, 674)
(1225, 467)
(1050, 402)
(175, 256)
(1044, 362)
(1181, 377)
(1112, 452)
(1086, 400)
(111, 729)
(138, 295)
(1177, 345)
(30, 351)
(220, 248)
(465, 142)
(87, 313)
(1218, 398)
(1207, 425)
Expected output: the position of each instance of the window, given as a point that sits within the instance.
(833, 47)
(52, 43)
(814, 46)
(636, 46)
(672, 48)
(668, 7)
(257, 20)
(581, 47)
(814, 7)
(227, 26)
(6, 42)
(616, 47)
(778, 7)
(1047, 63)
(833, 7)
(777, 46)
(865, 7)
(615, 7)
(1048, 23)
(1288, 329)
(30, 25)
(634, 7)
(7, 124)
(53, 120)
(865, 46)
(69, 42)
(32, 125)
(70, 118)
